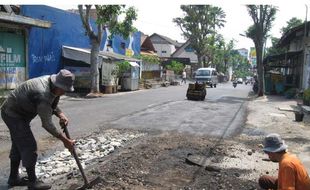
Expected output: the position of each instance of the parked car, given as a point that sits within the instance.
(240, 81)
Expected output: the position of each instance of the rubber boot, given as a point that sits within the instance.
(34, 183)
(14, 179)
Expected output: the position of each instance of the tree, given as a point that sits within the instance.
(176, 67)
(222, 53)
(218, 16)
(227, 53)
(107, 19)
(240, 65)
(120, 68)
(262, 16)
(292, 23)
(198, 26)
(218, 53)
(151, 59)
(274, 50)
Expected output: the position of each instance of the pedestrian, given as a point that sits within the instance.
(183, 77)
(291, 175)
(37, 96)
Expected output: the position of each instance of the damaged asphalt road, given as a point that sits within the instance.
(158, 161)
(173, 130)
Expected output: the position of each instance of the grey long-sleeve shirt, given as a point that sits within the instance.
(31, 98)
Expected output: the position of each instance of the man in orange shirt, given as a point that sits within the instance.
(292, 174)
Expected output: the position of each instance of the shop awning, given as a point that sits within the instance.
(7, 17)
(83, 54)
(117, 56)
(280, 60)
(134, 64)
(77, 54)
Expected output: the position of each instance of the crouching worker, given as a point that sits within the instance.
(292, 174)
(37, 96)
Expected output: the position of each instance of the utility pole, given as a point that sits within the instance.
(304, 65)
(305, 34)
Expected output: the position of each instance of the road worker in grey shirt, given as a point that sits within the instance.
(37, 96)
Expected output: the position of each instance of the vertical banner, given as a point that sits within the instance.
(253, 56)
(12, 59)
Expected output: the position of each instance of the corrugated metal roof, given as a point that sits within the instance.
(83, 54)
(169, 40)
(7, 17)
(117, 56)
(292, 33)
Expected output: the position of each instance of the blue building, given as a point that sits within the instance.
(35, 50)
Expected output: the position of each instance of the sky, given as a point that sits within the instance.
(156, 16)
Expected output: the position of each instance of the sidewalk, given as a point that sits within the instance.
(274, 114)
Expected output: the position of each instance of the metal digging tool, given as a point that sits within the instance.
(87, 184)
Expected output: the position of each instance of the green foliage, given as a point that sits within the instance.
(274, 50)
(251, 32)
(120, 68)
(292, 23)
(175, 66)
(107, 15)
(107, 18)
(263, 16)
(199, 26)
(242, 73)
(223, 54)
(153, 59)
(240, 65)
(306, 95)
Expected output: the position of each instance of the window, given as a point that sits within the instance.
(203, 73)
(109, 43)
(123, 45)
(189, 49)
(163, 51)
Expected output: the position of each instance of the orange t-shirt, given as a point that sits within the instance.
(292, 174)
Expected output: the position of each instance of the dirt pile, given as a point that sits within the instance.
(159, 162)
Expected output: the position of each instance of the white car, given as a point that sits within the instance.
(207, 75)
(239, 80)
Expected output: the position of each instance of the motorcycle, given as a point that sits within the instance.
(255, 87)
(235, 84)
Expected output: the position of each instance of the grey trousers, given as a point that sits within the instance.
(24, 146)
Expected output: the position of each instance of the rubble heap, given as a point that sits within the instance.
(90, 151)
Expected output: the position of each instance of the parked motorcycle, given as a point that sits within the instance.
(255, 87)
(235, 84)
